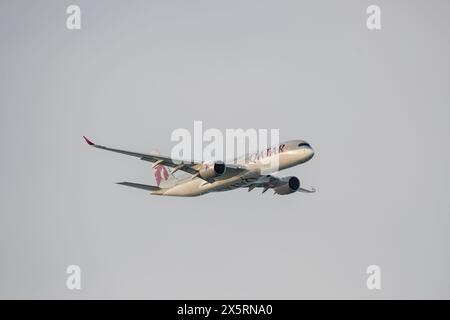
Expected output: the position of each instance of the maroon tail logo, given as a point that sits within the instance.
(161, 173)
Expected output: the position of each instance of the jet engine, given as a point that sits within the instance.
(212, 170)
(291, 184)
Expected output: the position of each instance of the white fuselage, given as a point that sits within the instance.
(257, 165)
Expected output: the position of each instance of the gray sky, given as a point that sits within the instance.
(373, 104)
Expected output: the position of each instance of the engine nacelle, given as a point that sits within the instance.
(213, 170)
(291, 185)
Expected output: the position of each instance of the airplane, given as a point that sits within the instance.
(206, 177)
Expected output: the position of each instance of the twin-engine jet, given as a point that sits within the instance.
(252, 171)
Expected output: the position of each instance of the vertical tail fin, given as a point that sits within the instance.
(164, 179)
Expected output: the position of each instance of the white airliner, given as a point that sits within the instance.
(218, 176)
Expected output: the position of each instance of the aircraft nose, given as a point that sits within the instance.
(310, 153)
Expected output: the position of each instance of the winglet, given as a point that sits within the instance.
(89, 142)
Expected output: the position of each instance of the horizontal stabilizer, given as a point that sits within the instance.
(139, 186)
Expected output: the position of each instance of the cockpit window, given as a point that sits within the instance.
(304, 144)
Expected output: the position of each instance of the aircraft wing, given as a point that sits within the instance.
(189, 167)
(269, 181)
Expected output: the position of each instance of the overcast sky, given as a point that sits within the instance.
(373, 104)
